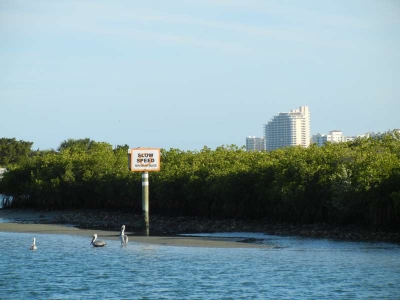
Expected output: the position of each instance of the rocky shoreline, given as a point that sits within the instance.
(162, 225)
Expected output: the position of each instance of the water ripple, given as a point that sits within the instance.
(66, 267)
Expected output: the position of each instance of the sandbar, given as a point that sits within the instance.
(10, 221)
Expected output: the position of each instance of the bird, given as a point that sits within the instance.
(123, 237)
(97, 243)
(33, 246)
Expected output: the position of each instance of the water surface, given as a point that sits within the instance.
(67, 267)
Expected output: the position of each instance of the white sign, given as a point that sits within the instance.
(145, 159)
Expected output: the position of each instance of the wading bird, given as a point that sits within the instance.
(96, 243)
(122, 236)
(33, 246)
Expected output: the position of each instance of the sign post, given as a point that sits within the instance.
(145, 160)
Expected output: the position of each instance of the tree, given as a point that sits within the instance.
(81, 144)
(13, 151)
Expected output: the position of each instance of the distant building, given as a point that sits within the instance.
(376, 134)
(370, 135)
(255, 143)
(334, 136)
(349, 138)
(288, 129)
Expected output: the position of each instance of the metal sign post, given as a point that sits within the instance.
(145, 160)
(145, 201)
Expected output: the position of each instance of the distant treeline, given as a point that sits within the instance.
(341, 183)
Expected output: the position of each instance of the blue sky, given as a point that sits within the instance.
(189, 74)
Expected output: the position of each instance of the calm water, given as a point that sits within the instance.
(67, 267)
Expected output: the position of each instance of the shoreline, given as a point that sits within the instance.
(177, 241)
(39, 222)
(171, 227)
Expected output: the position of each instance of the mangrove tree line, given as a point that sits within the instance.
(348, 183)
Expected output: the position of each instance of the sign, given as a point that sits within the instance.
(145, 160)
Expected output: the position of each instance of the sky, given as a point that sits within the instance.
(194, 73)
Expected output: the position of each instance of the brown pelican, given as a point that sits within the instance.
(97, 243)
(33, 246)
(122, 236)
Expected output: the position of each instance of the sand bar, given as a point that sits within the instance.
(11, 222)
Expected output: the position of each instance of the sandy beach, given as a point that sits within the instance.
(32, 222)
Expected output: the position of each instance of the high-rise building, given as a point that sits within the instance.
(255, 143)
(288, 129)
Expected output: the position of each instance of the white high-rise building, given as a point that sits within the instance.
(288, 129)
(255, 143)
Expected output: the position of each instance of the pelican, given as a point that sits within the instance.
(33, 246)
(97, 243)
(122, 236)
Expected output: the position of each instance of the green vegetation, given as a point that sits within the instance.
(13, 151)
(345, 183)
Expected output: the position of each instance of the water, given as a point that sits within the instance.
(5, 200)
(67, 267)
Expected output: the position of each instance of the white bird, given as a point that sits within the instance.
(96, 243)
(122, 236)
(33, 246)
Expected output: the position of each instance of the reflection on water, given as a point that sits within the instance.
(67, 267)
